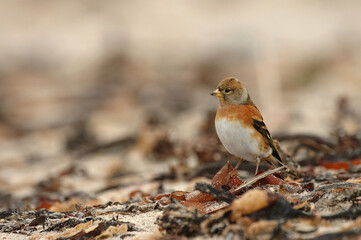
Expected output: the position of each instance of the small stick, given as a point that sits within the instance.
(256, 178)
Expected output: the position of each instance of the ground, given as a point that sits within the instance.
(107, 125)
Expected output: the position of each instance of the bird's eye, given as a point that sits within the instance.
(227, 90)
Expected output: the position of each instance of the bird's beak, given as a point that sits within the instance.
(217, 93)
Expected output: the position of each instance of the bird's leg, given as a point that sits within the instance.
(258, 161)
(238, 164)
(234, 170)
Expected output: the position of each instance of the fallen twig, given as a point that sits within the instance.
(256, 178)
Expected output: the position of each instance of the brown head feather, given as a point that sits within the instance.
(234, 92)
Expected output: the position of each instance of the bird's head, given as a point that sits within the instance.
(232, 91)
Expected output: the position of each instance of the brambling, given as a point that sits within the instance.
(240, 126)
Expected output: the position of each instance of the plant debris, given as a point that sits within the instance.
(147, 183)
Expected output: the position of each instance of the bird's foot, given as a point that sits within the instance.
(234, 170)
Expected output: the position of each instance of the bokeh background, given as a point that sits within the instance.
(78, 75)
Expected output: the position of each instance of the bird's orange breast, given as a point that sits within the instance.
(244, 115)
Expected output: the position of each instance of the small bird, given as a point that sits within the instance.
(240, 126)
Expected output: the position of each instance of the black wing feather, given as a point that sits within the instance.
(261, 128)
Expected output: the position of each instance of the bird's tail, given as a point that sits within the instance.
(274, 159)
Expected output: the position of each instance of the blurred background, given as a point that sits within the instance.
(135, 76)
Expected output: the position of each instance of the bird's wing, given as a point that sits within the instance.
(259, 125)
